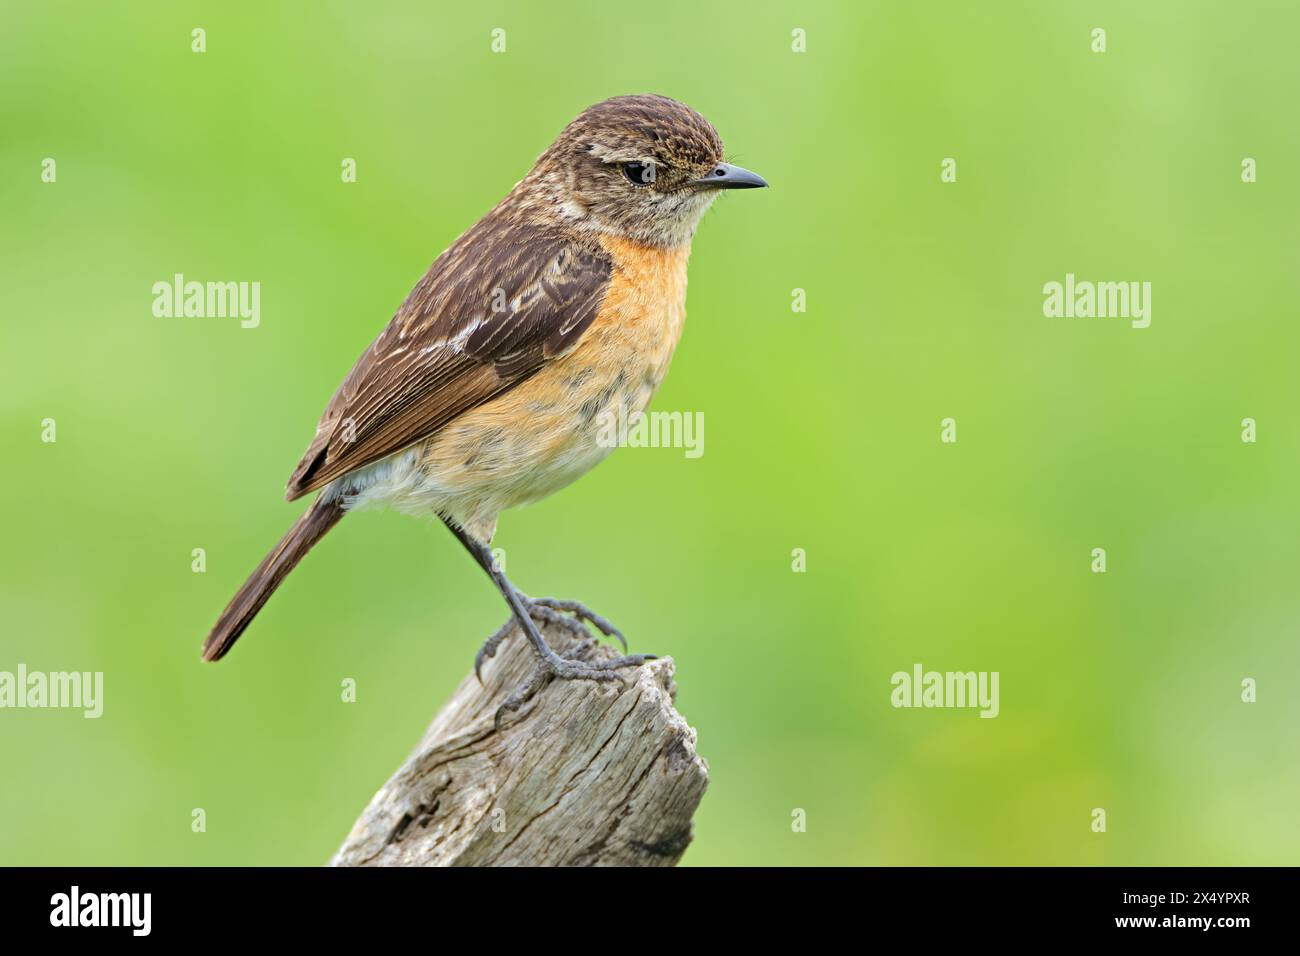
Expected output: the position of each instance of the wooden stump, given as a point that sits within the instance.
(586, 773)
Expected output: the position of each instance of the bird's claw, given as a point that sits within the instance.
(566, 668)
(568, 615)
(572, 665)
(582, 613)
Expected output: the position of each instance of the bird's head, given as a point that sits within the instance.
(641, 167)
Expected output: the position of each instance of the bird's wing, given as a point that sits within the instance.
(507, 297)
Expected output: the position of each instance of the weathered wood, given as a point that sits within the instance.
(585, 774)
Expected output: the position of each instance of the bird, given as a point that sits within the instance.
(489, 386)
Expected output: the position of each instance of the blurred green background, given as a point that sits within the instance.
(1118, 690)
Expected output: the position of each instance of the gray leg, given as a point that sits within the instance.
(524, 611)
(548, 611)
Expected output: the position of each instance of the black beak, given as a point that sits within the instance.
(727, 176)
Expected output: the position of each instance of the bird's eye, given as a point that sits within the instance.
(639, 174)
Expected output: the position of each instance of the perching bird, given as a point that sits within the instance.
(490, 386)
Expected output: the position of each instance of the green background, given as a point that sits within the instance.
(1118, 690)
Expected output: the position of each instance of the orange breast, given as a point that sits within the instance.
(546, 431)
(641, 319)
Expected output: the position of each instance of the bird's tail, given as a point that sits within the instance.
(275, 567)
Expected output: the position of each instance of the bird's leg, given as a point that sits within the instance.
(547, 610)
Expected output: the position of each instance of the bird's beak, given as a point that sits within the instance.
(727, 176)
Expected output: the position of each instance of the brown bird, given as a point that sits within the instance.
(489, 387)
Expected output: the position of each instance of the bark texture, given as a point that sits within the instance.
(585, 774)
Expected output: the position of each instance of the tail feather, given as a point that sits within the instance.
(275, 567)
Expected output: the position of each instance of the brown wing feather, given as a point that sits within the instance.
(506, 297)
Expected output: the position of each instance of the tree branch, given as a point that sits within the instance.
(585, 774)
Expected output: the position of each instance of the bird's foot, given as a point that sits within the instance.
(572, 665)
(580, 613)
(569, 615)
